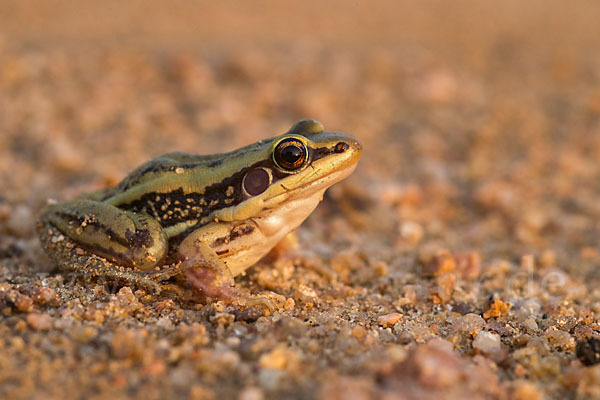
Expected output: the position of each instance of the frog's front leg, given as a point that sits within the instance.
(117, 245)
(209, 274)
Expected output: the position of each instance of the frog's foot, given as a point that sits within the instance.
(214, 280)
(103, 271)
(209, 280)
(210, 276)
(91, 267)
(102, 243)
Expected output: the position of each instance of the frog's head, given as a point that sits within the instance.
(292, 171)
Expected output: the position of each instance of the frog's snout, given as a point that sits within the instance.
(356, 146)
(350, 146)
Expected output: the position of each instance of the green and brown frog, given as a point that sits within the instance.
(204, 217)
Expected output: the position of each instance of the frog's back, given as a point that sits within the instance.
(159, 167)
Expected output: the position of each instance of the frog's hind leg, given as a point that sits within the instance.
(66, 254)
(98, 240)
(125, 237)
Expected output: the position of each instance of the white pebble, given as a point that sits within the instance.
(21, 221)
(487, 342)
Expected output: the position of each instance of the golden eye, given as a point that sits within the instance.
(290, 154)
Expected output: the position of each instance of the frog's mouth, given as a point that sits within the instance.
(311, 186)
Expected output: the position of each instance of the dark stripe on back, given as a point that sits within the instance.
(176, 206)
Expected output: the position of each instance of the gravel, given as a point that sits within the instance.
(460, 260)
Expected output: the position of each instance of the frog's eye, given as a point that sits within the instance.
(290, 154)
(256, 181)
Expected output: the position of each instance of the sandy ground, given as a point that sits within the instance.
(459, 261)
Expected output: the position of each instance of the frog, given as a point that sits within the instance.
(201, 219)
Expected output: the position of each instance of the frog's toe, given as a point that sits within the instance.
(219, 285)
(145, 284)
(173, 288)
(257, 301)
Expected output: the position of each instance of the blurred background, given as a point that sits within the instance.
(492, 109)
(480, 123)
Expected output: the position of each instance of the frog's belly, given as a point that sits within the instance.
(267, 230)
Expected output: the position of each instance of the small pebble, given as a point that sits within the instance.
(164, 323)
(127, 344)
(84, 334)
(346, 388)
(21, 220)
(46, 296)
(251, 393)
(269, 378)
(469, 323)
(559, 339)
(435, 364)
(278, 358)
(468, 265)
(440, 263)
(487, 342)
(289, 304)
(411, 232)
(497, 309)
(23, 303)
(155, 368)
(39, 322)
(359, 332)
(531, 324)
(588, 351)
(306, 295)
(388, 319)
(526, 391)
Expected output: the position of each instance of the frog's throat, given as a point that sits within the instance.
(269, 228)
(283, 195)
